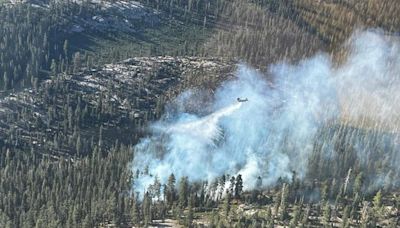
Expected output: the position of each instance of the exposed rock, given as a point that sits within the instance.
(105, 16)
(118, 98)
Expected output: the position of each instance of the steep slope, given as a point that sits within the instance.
(54, 36)
(70, 114)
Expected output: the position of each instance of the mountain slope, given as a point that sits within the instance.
(70, 113)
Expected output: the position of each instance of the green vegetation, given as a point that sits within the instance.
(41, 37)
(65, 146)
(173, 39)
(259, 32)
(67, 193)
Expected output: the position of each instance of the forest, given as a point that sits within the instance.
(84, 82)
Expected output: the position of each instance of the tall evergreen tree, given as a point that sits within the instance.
(238, 186)
(183, 192)
(170, 190)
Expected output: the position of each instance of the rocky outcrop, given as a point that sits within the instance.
(101, 16)
(73, 113)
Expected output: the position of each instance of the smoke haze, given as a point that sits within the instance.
(274, 133)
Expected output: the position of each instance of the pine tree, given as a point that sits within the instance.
(345, 217)
(378, 201)
(232, 185)
(156, 188)
(5, 81)
(53, 67)
(135, 215)
(284, 203)
(170, 190)
(324, 191)
(238, 186)
(326, 215)
(189, 217)
(227, 204)
(147, 210)
(358, 183)
(79, 146)
(66, 48)
(76, 62)
(365, 216)
(183, 192)
(296, 217)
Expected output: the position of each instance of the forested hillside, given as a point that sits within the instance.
(84, 82)
(48, 38)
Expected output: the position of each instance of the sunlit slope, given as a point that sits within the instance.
(262, 32)
(334, 21)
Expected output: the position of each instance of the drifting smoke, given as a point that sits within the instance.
(274, 133)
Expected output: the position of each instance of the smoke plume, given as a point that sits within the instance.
(274, 134)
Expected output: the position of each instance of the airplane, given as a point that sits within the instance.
(242, 100)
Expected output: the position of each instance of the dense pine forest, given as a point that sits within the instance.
(82, 81)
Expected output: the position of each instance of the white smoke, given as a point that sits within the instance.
(205, 130)
(369, 81)
(273, 134)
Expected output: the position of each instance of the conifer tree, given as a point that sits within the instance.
(183, 192)
(238, 186)
(227, 203)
